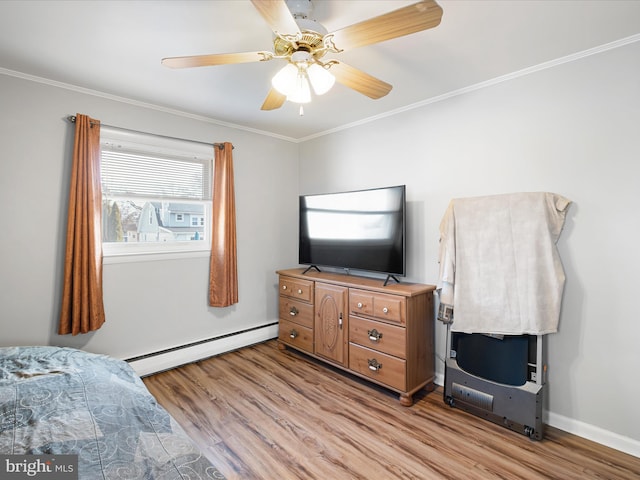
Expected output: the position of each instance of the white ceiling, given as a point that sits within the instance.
(115, 47)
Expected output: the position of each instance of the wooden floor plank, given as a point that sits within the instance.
(262, 413)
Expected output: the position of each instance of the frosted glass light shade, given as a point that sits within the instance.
(293, 81)
(321, 79)
(301, 93)
(285, 80)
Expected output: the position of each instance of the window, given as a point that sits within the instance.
(152, 190)
(197, 221)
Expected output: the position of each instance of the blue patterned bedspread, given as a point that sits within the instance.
(65, 401)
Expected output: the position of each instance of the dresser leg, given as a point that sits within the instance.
(406, 400)
(281, 346)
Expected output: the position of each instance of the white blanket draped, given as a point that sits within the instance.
(499, 265)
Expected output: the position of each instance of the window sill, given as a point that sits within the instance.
(114, 258)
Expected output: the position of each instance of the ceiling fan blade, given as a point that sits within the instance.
(274, 100)
(404, 21)
(216, 59)
(358, 80)
(277, 15)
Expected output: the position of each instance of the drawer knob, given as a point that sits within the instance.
(374, 335)
(385, 310)
(299, 291)
(374, 365)
(284, 287)
(293, 311)
(359, 304)
(293, 333)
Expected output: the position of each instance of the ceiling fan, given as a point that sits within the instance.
(304, 43)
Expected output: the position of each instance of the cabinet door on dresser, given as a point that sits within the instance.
(331, 322)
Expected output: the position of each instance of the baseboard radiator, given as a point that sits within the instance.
(174, 357)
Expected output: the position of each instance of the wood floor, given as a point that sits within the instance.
(262, 413)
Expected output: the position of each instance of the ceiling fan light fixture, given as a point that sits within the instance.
(301, 92)
(293, 81)
(321, 79)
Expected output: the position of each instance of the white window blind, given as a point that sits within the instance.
(126, 173)
(135, 164)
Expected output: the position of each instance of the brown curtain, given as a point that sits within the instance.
(223, 271)
(82, 307)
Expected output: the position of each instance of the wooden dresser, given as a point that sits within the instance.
(381, 333)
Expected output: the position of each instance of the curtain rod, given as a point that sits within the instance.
(72, 119)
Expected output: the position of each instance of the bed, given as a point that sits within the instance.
(64, 401)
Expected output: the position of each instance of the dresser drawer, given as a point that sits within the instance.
(378, 366)
(378, 336)
(390, 308)
(296, 311)
(296, 288)
(296, 335)
(360, 302)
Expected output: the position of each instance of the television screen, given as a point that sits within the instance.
(361, 230)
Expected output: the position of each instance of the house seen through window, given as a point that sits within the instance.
(156, 193)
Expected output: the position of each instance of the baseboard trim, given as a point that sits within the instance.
(593, 433)
(171, 358)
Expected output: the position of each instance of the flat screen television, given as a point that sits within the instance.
(360, 230)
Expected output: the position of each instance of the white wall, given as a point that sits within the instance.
(149, 306)
(574, 130)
